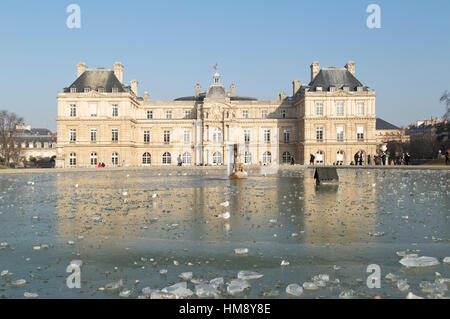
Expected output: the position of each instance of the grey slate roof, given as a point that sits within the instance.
(97, 78)
(201, 97)
(383, 125)
(338, 77)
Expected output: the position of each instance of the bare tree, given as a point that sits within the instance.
(445, 98)
(10, 144)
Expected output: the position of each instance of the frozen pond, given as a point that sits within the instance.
(146, 227)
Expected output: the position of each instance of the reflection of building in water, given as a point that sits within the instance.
(341, 214)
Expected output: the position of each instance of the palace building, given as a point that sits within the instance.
(103, 120)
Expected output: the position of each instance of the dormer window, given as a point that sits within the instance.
(87, 90)
(319, 89)
(346, 88)
(73, 90)
(332, 89)
(115, 90)
(359, 89)
(101, 90)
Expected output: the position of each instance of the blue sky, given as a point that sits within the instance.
(261, 46)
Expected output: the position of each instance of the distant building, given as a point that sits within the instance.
(101, 119)
(387, 132)
(36, 142)
(431, 128)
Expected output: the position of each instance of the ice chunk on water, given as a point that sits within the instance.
(284, 263)
(206, 291)
(162, 295)
(216, 282)
(402, 285)
(392, 277)
(225, 204)
(77, 263)
(163, 272)
(413, 296)
(4, 273)
(424, 261)
(30, 295)
(310, 286)
(433, 287)
(125, 294)
(225, 215)
(18, 283)
(237, 286)
(347, 294)
(114, 287)
(186, 276)
(294, 290)
(180, 290)
(447, 260)
(241, 251)
(249, 275)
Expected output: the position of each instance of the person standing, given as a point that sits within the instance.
(311, 159)
(356, 158)
(292, 160)
(447, 157)
(180, 160)
(407, 158)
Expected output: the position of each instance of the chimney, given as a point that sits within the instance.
(81, 68)
(233, 90)
(197, 89)
(118, 71)
(295, 87)
(315, 69)
(282, 96)
(146, 96)
(134, 87)
(350, 66)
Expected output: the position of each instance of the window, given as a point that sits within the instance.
(146, 137)
(93, 135)
(264, 114)
(87, 90)
(94, 159)
(73, 159)
(340, 158)
(168, 115)
(340, 133)
(73, 135)
(359, 88)
(360, 133)
(340, 109)
(266, 136)
(346, 88)
(360, 108)
(115, 158)
(186, 158)
(287, 135)
(146, 159)
(286, 158)
(319, 89)
(217, 158)
(319, 133)
(187, 137)
(115, 90)
(245, 114)
(248, 158)
(115, 110)
(187, 114)
(283, 114)
(247, 136)
(93, 110)
(101, 90)
(166, 137)
(217, 135)
(73, 110)
(319, 157)
(73, 90)
(319, 109)
(167, 158)
(149, 115)
(332, 89)
(114, 135)
(267, 158)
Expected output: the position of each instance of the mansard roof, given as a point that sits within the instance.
(335, 77)
(202, 96)
(383, 125)
(98, 78)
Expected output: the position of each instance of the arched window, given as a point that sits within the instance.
(217, 158)
(340, 158)
(319, 157)
(167, 158)
(248, 158)
(94, 160)
(267, 157)
(146, 158)
(186, 158)
(73, 159)
(217, 135)
(286, 158)
(115, 158)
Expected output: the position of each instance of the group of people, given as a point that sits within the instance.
(101, 165)
(446, 156)
(381, 159)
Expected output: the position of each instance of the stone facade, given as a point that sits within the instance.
(102, 120)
